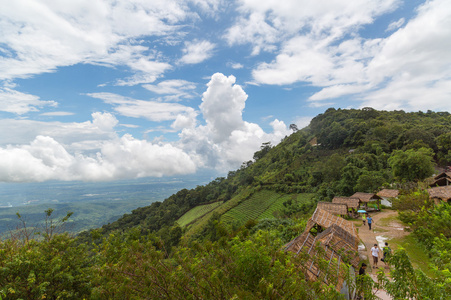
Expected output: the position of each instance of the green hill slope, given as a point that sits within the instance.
(340, 152)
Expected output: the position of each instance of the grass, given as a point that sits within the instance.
(388, 220)
(196, 213)
(415, 251)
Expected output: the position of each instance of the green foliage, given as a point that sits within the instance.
(50, 266)
(408, 283)
(412, 165)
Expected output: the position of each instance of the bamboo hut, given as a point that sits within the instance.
(443, 179)
(440, 193)
(334, 208)
(366, 198)
(387, 195)
(327, 239)
(352, 203)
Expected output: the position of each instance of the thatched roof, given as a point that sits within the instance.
(350, 202)
(325, 220)
(387, 193)
(443, 175)
(365, 197)
(443, 181)
(334, 208)
(336, 244)
(440, 192)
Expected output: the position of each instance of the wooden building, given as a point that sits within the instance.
(334, 208)
(353, 204)
(366, 198)
(443, 179)
(330, 239)
(387, 195)
(440, 193)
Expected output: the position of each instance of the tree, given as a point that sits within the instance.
(294, 127)
(412, 165)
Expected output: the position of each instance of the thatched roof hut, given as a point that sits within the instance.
(334, 241)
(388, 193)
(349, 201)
(440, 193)
(366, 197)
(334, 208)
(443, 179)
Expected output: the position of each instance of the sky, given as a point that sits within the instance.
(101, 90)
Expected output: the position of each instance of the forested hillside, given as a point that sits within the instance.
(339, 153)
(224, 240)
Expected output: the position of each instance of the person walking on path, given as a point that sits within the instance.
(370, 221)
(375, 253)
(386, 254)
(364, 219)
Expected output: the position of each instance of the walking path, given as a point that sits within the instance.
(385, 227)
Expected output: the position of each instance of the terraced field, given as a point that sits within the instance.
(260, 204)
(197, 212)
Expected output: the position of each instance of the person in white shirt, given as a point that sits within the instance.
(375, 253)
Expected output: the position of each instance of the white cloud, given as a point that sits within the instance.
(45, 159)
(302, 122)
(379, 72)
(236, 66)
(99, 129)
(226, 140)
(264, 23)
(44, 35)
(150, 110)
(177, 89)
(21, 103)
(395, 25)
(93, 151)
(196, 52)
(57, 114)
(413, 67)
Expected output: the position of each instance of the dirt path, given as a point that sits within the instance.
(385, 227)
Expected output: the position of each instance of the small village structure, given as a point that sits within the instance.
(352, 204)
(367, 198)
(334, 208)
(333, 241)
(387, 195)
(440, 193)
(443, 179)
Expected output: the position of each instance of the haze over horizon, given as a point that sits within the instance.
(104, 90)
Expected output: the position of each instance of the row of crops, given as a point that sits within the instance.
(260, 205)
(197, 212)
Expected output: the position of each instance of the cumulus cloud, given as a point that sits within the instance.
(226, 140)
(45, 159)
(196, 52)
(93, 151)
(21, 103)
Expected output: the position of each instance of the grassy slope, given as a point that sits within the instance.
(197, 212)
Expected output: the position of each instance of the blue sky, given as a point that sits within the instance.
(99, 90)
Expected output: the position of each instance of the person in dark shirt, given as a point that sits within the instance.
(362, 269)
